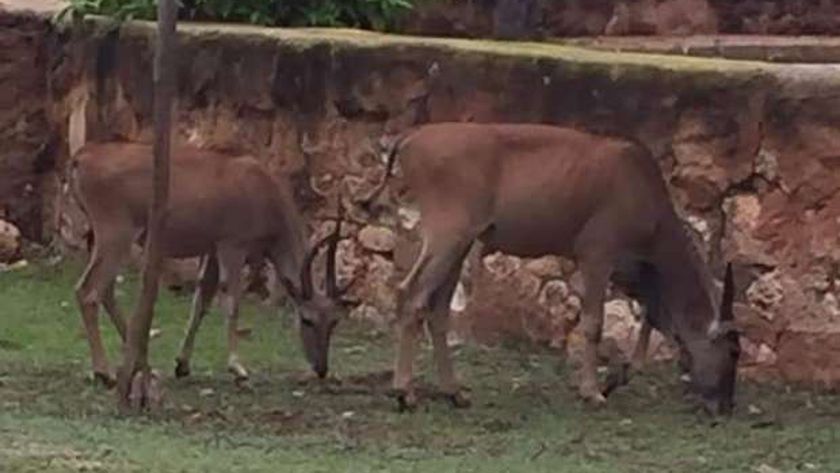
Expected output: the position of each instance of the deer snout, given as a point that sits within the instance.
(320, 366)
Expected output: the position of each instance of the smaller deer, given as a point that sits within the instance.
(533, 190)
(222, 208)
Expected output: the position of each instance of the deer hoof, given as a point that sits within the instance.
(182, 368)
(406, 401)
(145, 392)
(459, 400)
(592, 395)
(106, 379)
(239, 373)
(617, 378)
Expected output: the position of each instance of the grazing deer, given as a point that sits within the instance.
(642, 282)
(533, 190)
(222, 208)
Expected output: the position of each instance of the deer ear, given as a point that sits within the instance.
(726, 324)
(726, 302)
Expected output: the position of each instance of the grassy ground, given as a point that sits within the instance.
(525, 416)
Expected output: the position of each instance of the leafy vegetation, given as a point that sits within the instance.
(524, 418)
(368, 14)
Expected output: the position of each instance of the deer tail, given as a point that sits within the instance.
(390, 152)
(74, 193)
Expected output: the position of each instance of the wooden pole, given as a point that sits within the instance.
(136, 384)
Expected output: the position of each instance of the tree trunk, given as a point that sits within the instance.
(135, 350)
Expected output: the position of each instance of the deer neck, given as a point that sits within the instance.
(687, 287)
(290, 249)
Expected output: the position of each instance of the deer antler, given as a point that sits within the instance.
(332, 250)
(306, 270)
(307, 288)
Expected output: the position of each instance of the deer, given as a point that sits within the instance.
(643, 283)
(531, 190)
(223, 208)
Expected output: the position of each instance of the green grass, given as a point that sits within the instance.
(525, 415)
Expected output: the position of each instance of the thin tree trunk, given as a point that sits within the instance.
(135, 350)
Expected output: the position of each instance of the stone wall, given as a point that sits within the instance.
(562, 18)
(747, 148)
(26, 135)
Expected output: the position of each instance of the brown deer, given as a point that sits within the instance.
(222, 208)
(533, 190)
(642, 282)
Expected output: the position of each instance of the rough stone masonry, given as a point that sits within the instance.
(748, 149)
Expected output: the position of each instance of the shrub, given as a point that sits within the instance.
(368, 14)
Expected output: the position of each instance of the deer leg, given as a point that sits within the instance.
(88, 300)
(408, 328)
(109, 301)
(208, 283)
(231, 261)
(619, 374)
(650, 295)
(275, 294)
(415, 293)
(569, 326)
(438, 324)
(91, 290)
(596, 272)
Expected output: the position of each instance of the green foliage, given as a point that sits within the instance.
(121, 9)
(368, 14)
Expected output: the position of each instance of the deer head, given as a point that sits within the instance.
(319, 313)
(715, 357)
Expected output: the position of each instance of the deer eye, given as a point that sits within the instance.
(307, 322)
